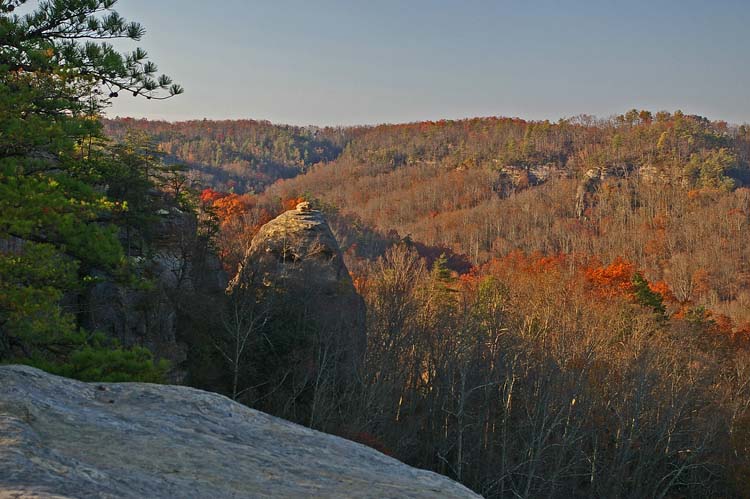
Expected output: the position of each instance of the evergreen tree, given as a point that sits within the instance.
(645, 296)
(57, 74)
(440, 270)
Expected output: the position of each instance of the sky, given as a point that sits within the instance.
(345, 62)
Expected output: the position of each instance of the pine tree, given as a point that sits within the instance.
(57, 73)
(646, 296)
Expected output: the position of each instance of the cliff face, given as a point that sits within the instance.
(297, 253)
(178, 267)
(66, 439)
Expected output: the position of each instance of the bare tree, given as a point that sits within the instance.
(243, 321)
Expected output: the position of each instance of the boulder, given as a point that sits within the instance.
(67, 439)
(297, 254)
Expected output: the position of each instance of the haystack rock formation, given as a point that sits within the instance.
(296, 252)
(61, 438)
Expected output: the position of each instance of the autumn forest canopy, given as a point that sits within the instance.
(602, 261)
(664, 191)
(555, 309)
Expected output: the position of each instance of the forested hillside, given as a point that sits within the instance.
(244, 155)
(662, 191)
(549, 306)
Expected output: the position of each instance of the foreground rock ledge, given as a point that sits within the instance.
(61, 438)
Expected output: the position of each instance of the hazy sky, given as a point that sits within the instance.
(332, 62)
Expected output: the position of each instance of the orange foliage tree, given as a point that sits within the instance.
(238, 218)
(615, 279)
(291, 203)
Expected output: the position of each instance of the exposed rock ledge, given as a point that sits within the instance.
(61, 438)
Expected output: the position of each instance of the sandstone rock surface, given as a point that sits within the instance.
(586, 190)
(296, 252)
(61, 438)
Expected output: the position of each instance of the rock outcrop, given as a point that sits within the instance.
(177, 265)
(61, 438)
(586, 190)
(296, 252)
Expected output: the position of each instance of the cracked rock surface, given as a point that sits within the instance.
(61, 438)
